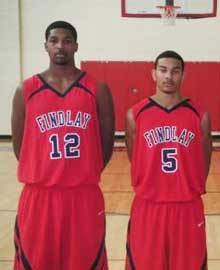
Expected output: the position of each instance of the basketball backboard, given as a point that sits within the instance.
(188, 8)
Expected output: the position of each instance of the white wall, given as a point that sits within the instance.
(9, 60)
(105, 35)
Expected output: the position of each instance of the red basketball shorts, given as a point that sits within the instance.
(166, 236)
(60, 229)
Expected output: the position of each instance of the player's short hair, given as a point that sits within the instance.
(169, 54)
(61, 24)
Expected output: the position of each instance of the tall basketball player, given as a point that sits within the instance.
(63, 127)
(169, 144)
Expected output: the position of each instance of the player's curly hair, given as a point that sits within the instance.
(61, 24)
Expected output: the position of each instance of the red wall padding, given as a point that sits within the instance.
(131, 81)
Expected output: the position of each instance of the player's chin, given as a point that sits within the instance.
(61, 62)
(169, 90)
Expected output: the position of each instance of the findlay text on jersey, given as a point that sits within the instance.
(165, 134)
(58, 119)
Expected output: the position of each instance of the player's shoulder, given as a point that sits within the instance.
(195, 107)
(88, 81)
(87, 77)
(30, 85)
(32, 82)
(140, 106)
(93, 84)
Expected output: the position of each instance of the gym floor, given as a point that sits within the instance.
(118, 196)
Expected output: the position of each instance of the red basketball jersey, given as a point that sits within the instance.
(168, 159)
(61, 143)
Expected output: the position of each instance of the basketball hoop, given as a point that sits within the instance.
(168, 14)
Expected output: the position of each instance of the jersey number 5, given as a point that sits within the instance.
(71, 146)
(169, 160)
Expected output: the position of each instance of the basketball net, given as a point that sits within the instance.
(168, 14)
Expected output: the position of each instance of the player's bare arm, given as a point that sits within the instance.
(17, 121)
(206, 139)
(130, 130)
(106, 120)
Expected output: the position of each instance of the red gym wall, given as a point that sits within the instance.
(131, 81)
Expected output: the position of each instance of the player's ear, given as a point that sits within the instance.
(153, 74)
(45, 46)
(76, 46)
(183, 76)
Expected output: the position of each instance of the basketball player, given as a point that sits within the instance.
(169, 145)
(63, 127)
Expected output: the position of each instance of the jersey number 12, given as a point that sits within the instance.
(71, 146)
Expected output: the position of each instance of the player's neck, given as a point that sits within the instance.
(59, 71)
(168, 100)
(61, 78)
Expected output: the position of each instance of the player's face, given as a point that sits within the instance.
(61, 46)
(168, 75)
